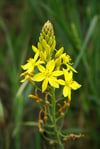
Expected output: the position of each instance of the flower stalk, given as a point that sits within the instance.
(54, 119)
(49, 70)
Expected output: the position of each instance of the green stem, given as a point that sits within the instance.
(54, 119)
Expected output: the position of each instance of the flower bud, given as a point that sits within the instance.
(47, 41)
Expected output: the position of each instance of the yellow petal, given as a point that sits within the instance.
(44, 85)
(26, 66)
(75, 85)
(65, 91)
(38, 77)
(22, 74)
(41, 68)
(70, 67)
(66, 59)
(31, 62)
(67, 74)
(31, 69)
(34, 49)
(29, 65)
(58, 61)
(61, 82)
(59, 52)
(42, 56)
(40, 46)
(39, 62)
(25, 78)
(57, 73)
(50, 65)
(36, 56)
(53, 82)
(63, 55)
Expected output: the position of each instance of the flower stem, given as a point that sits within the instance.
(54, 119)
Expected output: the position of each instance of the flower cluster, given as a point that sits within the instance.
(49, 70)
(50, 66)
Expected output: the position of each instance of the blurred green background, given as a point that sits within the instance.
(77, 28)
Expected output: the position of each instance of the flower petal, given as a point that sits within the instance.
(39, 62)
(34, 49)
(38, 77)
(57, 73)
(75, 85)
(65, 91)
(70, 67)
(61, 82)
(66, 59)
(50, 65)
(41, 68)
(29, 66)
(36, 56)
(59, 52)
(67, 75)
(58, 61)
(25, 78)
(26, 66)
(44, 85)
(42, 56)
(53, 82)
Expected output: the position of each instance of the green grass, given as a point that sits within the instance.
(77, 28)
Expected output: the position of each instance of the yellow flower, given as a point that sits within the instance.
(31, 63)
(66, 58)
(27, 76)
(47, 75)
(69, 84)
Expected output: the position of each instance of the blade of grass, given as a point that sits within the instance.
(18, 120)
(87, 38)
(4, 65)
(10, 46)
(38, 140)
(39, 12)
(21, 89)
(13, 70)
(18, 110)
(30, 123)
(82, 56)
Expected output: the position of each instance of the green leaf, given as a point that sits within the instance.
(29, 123)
